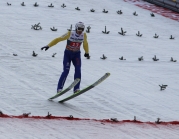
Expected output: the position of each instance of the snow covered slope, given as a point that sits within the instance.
(131, 90)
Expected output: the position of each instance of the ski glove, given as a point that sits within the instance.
(45, 47)
(86, 55)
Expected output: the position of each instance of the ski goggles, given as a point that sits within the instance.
(80, 29)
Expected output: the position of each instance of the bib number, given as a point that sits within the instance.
(75, 44)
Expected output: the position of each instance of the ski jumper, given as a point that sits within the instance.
(72, 54)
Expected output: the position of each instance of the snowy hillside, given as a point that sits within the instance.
(132, 88)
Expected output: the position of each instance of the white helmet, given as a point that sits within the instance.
(80, 26)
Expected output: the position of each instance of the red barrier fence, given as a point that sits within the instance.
(169, 4)
(111, 120)
(155, 9)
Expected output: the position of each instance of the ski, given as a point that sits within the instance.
(66, 90)
(87, 88)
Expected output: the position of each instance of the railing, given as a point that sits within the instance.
(169, 4)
